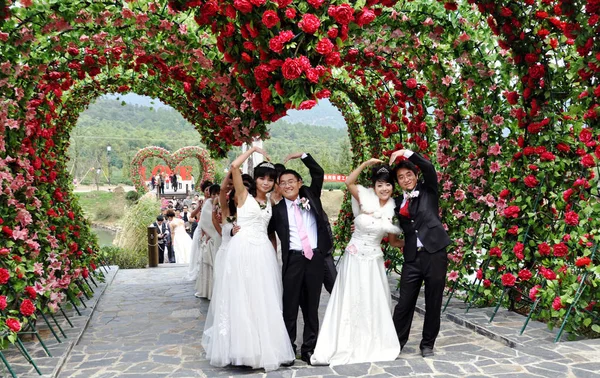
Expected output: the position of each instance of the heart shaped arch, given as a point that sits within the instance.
(172, 160)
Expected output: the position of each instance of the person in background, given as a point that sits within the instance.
(163, 237)
(174, 181)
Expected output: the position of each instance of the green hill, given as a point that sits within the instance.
(128, 128)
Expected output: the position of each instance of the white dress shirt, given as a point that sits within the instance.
(407, 154)
(310, 225)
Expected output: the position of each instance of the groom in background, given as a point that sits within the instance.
(303, 231)
(425, 258)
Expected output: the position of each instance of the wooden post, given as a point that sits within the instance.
(152, 247)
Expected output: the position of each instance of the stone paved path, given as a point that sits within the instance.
(149, 324)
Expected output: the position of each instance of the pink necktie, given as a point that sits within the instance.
(308, 252)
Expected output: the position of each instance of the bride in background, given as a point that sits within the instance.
(209, 245)
(182, 243)
(358, 325)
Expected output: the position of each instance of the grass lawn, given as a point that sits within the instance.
(103, 207)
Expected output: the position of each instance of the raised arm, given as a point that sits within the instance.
(317, 174)
(351, 179)
(426, 167)
(240, 190)
(223, 196)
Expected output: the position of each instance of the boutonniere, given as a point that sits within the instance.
(413, 194)
(304, 204)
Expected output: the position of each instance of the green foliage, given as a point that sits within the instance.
(132, 196)
(133, 235)
(124, 258)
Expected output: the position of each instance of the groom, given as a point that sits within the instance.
(425, 258)
(305, 241)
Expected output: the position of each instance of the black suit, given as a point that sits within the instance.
(162, 242)
(303, 278)
(428, 264)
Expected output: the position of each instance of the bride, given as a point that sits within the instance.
(247, 306)
(182, 243)
(358, 324)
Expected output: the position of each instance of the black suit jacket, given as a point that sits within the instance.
(163, 229)
(424, 220)
(279, 221)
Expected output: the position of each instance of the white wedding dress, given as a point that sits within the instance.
(248, 317)
(196, 242)
(182, 244)
(208, 250)
(358, 325)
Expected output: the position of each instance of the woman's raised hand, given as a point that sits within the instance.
(262, 152)
(373, 161)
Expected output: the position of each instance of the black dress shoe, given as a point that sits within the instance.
(427, 352)
(288, 364)
(306, 357)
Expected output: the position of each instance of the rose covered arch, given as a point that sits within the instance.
(503, 97)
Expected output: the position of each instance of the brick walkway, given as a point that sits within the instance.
(149, 324)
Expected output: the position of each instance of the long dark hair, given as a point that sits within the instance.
(250, 186)
(382, 172)
(264, 169)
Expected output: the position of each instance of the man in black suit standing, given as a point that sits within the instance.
(425, 258)
(302, 229)
(163, 237)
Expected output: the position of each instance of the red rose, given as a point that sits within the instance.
(270, 18)
(563, 147)
(13, 324)
(534, 291)
(560, 250)
(309, 23)
(365, 17)
(508, 279)
(4, 276)
(487, 283)
(308, 104)
(276, 44)
(343, 14)
(585, 135)
(514, 230)
(7, 230)
(531, 181)
(547, 156)
(332, 33)
(451, 6)
(571, 218)
(512, 211)
(518, 250)
(312, 75)
(525, 275)
(504, 193)
(557, 304)
(537, 71)
(27, 308)
(291, 69)
(31, 292)
(290, 13)
(243, 6)
(511, 97)
(495, 251)
(333, 59)
(479, 274)
(567, 194)
(315, 3)
(583, 261)
(387, 263)
(324, 46)
(323, 93)
(2, 302)
(588, 161)
(544, 249)
(411, 83)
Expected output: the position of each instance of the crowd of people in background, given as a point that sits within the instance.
(163, 181)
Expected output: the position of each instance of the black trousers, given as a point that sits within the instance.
(302, 282)
(170, 253)
(431, 269)
(161, 253)
(330, 273)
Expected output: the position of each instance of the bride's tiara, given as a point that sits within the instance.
(383, 170)
(266, 164)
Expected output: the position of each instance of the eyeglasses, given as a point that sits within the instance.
(407, 177)
(287, 183)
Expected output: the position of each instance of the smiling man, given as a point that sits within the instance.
(305, 241)
(425, 258)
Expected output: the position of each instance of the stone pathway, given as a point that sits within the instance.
(149, 324)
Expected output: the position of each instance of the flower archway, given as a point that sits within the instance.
(172, 160)
(504, 97)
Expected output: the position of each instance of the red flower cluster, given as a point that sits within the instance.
(4, 276)
(512, 211)
(508, 279)
(560, 250)
(13, 324)
(27, 308)
(571, 218)
(583, 261)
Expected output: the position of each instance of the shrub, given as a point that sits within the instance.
(124, 258)
(132, 196)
